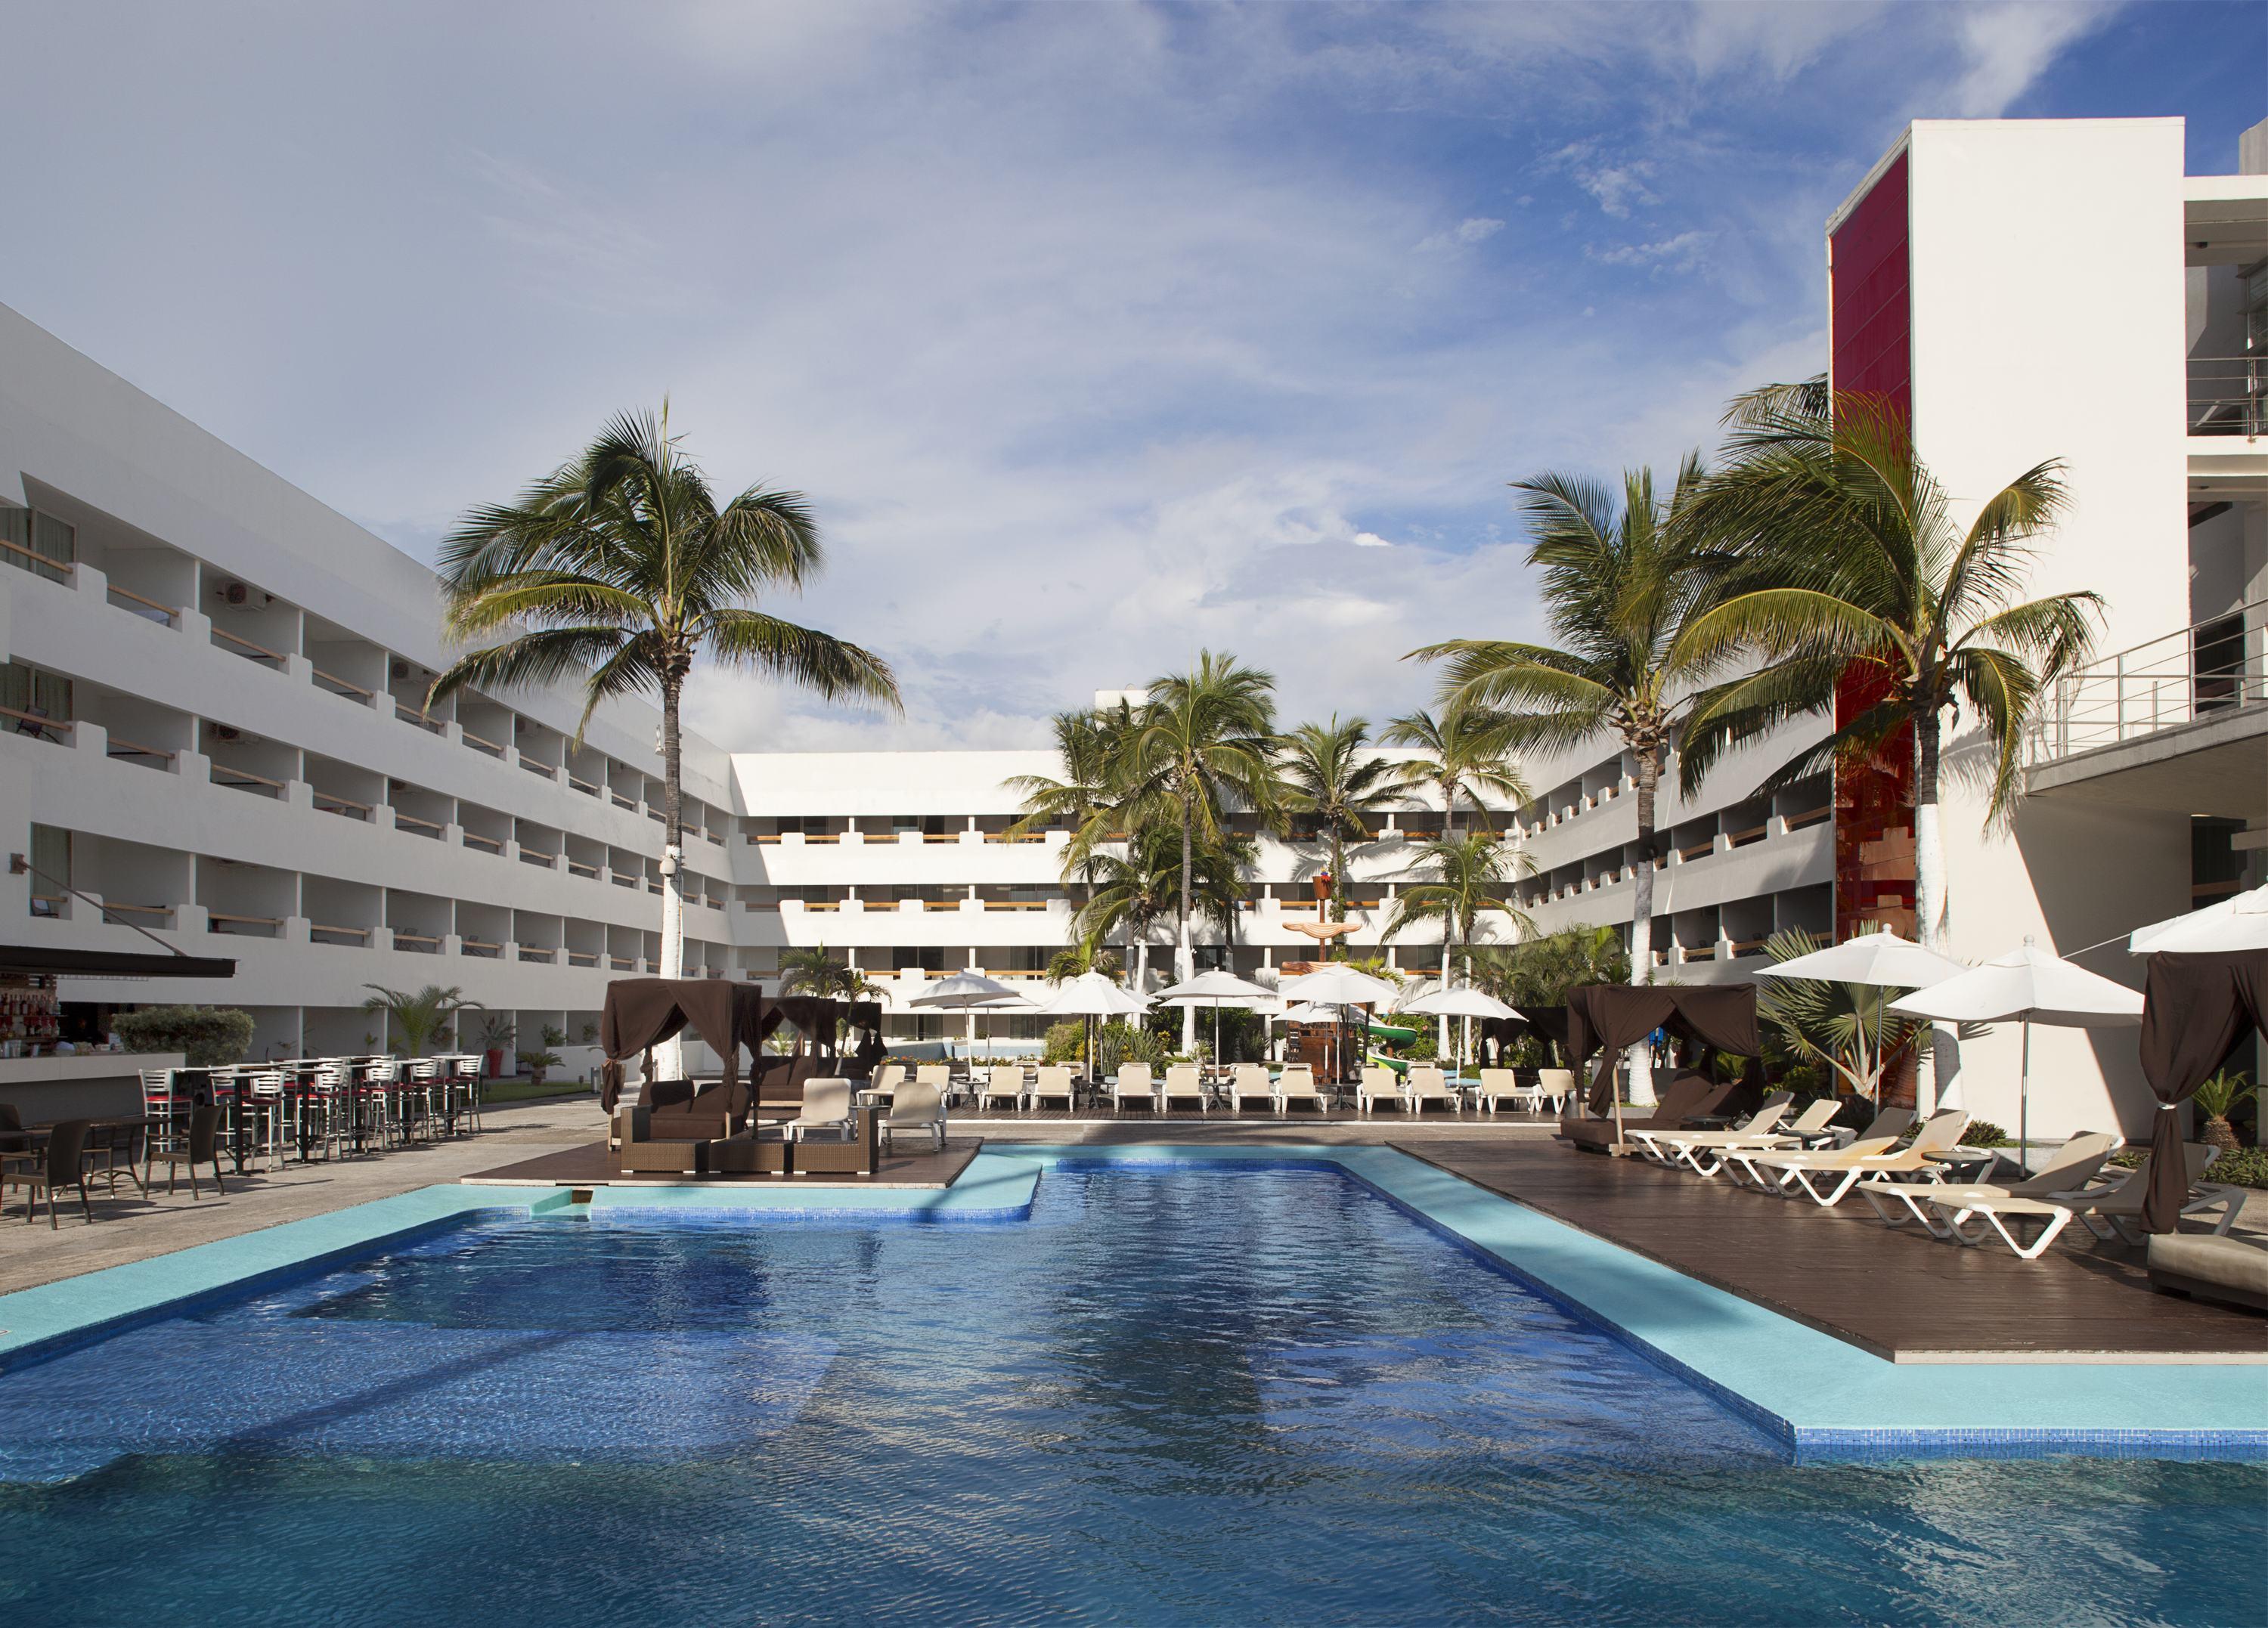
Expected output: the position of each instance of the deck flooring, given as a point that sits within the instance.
(1897, 1293)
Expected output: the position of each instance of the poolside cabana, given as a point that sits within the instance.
(1609, 1018)
(2196, 1007)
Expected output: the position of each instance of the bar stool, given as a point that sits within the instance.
(161, 1105)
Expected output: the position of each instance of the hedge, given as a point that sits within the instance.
(211, 1036)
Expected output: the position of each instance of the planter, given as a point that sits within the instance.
(494, 1063)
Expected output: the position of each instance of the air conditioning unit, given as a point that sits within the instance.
(400, 670)
(235, 593)
(226, 731)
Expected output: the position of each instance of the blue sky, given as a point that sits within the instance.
(1096, 331)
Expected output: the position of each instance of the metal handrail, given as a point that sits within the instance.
(259, 652)
(2214, 666)
(2228, 395)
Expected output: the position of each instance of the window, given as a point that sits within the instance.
(37, 543)
(929, 957)
(51, 869)
(29, 698)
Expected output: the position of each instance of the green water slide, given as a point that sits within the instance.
(1392, 1034)
(1400, 1065)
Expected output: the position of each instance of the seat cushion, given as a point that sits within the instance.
(2233, 1269)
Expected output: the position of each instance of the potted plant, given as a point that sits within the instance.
(538, 1064)
(2216, 1099)
(497, 1033)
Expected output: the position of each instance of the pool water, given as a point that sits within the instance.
(1256, 1396)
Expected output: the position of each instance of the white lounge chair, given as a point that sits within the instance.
(1184, 1084)
(1377, 1085)
(2118, 1206)
(1649, 1142)
(1249, 1083)
(1825, 1178)
(1054, 1083)
(1558, 1084)
(1296, 1085)
(1429, 1085)
(2074, 1165)
(940, 1075)
(1004, 1081)
(918, 1109)
(1706, 1153)
(1880, 1135)
(1133, 1083)
(1502, 1085)
(826, 1108)
(888, 1078)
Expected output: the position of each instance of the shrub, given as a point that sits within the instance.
(211, 1037)
(1066, 1041)
(1983, 1134)
(2242, 1167)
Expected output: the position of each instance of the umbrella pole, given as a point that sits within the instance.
(2024, 1103)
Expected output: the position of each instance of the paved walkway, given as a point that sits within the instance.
(130, 1227)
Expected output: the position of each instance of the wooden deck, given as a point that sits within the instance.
(589, 1166)
(1895, 1292)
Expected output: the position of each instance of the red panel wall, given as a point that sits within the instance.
(1871, 314)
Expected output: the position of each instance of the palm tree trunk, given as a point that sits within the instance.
(669, 1056)
(1649, 783)
(1937, 1065)
(1449, 810)
(1185, 958)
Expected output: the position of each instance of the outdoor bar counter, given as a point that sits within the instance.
(92, 1085)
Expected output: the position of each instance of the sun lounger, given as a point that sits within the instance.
(1377, 1085)
(1005, 1080)
(1429, 1085)
(1705, 1153)
(2074, 1165)
(1689, 1096)
(1825, 1178)
(917, 1108)
(1296, 1086)
(1249, 1084)
(1502, 1085)
(1185, 1085)
(826, 1107)
(1054, 1085)
(2114, 1209)
(1133, 1083)
(1649, 1142)
(1556, 1084)
(1880, 1135)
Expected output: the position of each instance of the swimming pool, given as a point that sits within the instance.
(1253, 1395)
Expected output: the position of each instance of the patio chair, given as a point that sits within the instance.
(1841, 1170)
(940, 1075)
(201, 1146)
(1004, 1080)
(1427, 1085)
(1706, 1153)
(1664, 1147)
(61, 1164)
(1184, 1084)
(2074, 1165)
(1133, 1082)
(826, 1108)
(888, 1078)
(917, 1108)
(1376, 1085)
(1056, 1082)
(1558, 1084)
(1296, 1084)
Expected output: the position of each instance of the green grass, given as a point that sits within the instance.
(527, 1091)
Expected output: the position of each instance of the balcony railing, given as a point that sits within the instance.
(2228, 395)
(2180, 677)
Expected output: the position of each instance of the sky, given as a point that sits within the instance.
(1096, 334)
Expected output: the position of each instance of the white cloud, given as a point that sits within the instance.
(1462, 236)
(2009, 46)
(1682, 253)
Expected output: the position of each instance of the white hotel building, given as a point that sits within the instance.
(214, 684)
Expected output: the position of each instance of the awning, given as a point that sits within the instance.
(24, 958)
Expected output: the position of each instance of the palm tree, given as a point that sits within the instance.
(1330, 775)
(1464, 875)
(1850, 571)
(1133, 892)
(1202, 743)
(1224, 873)
(815, 973)
(1076, 960)
(1620, 580)
(1453, 761)
(421, 1016)
(1088, 744)
(621, 568)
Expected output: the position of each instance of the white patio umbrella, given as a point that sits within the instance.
(1338, 983)
(1090, 994)
(1881, 960)
(1217, 989)
(1462, 1001)
(2238, 923)
(967, 992)
(2028, 986)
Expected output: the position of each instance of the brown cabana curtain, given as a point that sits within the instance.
(2195, 1006)
(641, 1013)
(1609, 1019)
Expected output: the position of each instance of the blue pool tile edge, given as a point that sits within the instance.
(38, 1323)
(1819, 1396)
